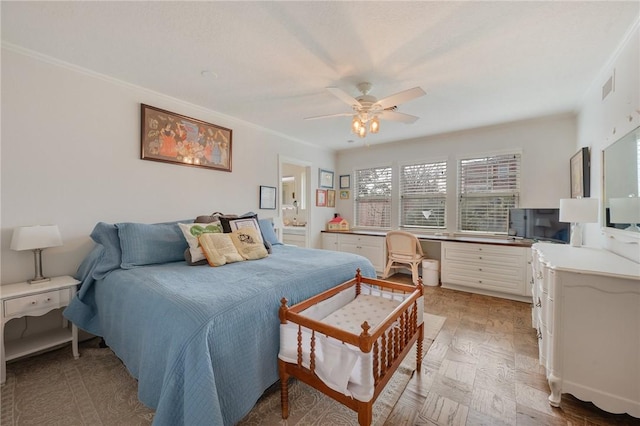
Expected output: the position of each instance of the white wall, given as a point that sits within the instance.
(71, 157)
(546, 145)
(602, 122)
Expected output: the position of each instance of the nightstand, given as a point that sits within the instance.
(24, 299)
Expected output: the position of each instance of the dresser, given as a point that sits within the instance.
(586, 310)
(372, 247)
(495, 270)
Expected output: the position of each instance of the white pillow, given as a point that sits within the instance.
(192, 231)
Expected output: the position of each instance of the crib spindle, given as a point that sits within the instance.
(376, 356)
(312, 362)
(299, 346)
(383, 354)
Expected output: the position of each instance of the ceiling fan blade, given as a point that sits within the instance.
(342, 114)
(398, 116)
(343, 96)
(400, 97)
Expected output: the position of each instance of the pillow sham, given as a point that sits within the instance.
(268, 232)
(219, 249)
(149, 244)
(247, 242)
(229, 224)
(106, 235)
(191, 232)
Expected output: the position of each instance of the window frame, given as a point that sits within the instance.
(388, 199)
(428, 195)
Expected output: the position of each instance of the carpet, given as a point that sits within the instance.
(54, 389)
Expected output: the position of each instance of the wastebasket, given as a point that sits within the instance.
(430, 274)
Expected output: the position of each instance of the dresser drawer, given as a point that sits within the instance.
(36, 302)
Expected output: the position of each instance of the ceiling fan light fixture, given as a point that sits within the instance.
(374, 125)
(356, 124)
(362, 131)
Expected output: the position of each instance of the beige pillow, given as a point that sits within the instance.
(249, 243)
(219, 249)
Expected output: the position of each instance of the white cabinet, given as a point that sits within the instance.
(586, 311)
(370, 246)
(485, 268)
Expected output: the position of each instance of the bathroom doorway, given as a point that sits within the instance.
(295, 201)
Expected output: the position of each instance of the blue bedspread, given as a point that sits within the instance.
(203, 342)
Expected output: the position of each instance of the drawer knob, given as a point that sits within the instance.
(479, 269)
(539, 335)
(33, 302)
(539, 304)
(48, 299)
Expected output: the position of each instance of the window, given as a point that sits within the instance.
(423, 188)
(373, 197)
(488, 187)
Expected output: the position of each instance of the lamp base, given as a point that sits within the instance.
(39, 280)
(576, 235)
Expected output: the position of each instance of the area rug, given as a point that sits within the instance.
(54, 389)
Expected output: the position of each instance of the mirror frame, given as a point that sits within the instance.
(618, 234)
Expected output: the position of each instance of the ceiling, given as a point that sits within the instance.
(481, 63)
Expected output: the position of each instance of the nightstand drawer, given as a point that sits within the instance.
(36, 302)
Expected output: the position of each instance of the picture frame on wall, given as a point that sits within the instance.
(331, 198)
(580, 166)
(268, 197)
(173, 138)
(345, 181)
(321, 197)
(344, 195)
(325, 178)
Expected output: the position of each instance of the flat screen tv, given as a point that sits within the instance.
(539, 225)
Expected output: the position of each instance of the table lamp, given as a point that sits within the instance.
(36, 238)
(578, 211)
(625, 210)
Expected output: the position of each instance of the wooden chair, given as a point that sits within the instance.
(403, 248)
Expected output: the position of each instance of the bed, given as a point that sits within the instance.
(202, 341)
(349, 340)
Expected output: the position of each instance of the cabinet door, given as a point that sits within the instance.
(330, 241)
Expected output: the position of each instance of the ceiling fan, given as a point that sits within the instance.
(368, 109)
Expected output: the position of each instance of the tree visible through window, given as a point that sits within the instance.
(373, 197)
(423, 195)
(488, 187)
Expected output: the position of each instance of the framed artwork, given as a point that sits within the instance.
(321, 197)
(173, 138)
(331, 198)
(268, 197)
(344, 195)
(345, 181)
(580, 166)
(325, 177)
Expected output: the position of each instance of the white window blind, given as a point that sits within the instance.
(373, 197)
(423, 188)
(488, 187)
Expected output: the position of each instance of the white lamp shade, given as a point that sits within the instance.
(625, 210)
(35, 237)
(579, 210)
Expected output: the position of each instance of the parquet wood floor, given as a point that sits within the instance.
(483, 369)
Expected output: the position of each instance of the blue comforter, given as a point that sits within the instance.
(203, 342)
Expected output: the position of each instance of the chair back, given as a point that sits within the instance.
(403, 245)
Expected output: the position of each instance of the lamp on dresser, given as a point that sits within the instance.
(36, 238)
(626, 211)
(578, 211)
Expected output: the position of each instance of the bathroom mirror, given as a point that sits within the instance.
(288, 190)
(621, 176)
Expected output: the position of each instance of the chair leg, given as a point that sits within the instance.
(387, 269)
(414, 272)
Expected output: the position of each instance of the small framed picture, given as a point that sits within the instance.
(321, 197)
(345, 182)
(331, 198)
(268, 197)
(580, 174)
(344, 195)
(325, 178)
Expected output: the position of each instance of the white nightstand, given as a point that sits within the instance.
(24, 299)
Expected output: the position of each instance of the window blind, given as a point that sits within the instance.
(488, 187)
(373, 197)
(423, 188)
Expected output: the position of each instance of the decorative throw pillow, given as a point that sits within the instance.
(219, 249)
(247, 241)
(191, 232)
(230, 224)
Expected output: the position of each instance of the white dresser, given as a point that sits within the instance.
(495, 270)
(587, 314)
(372, 247)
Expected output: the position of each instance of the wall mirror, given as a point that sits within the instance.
(622, 183)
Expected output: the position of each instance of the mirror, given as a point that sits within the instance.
(288, 190)
(622, 181)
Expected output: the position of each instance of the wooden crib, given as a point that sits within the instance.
(307, 337)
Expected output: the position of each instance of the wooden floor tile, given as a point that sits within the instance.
(491, 404)
(442, 411)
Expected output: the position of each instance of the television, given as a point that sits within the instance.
(539, 225)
